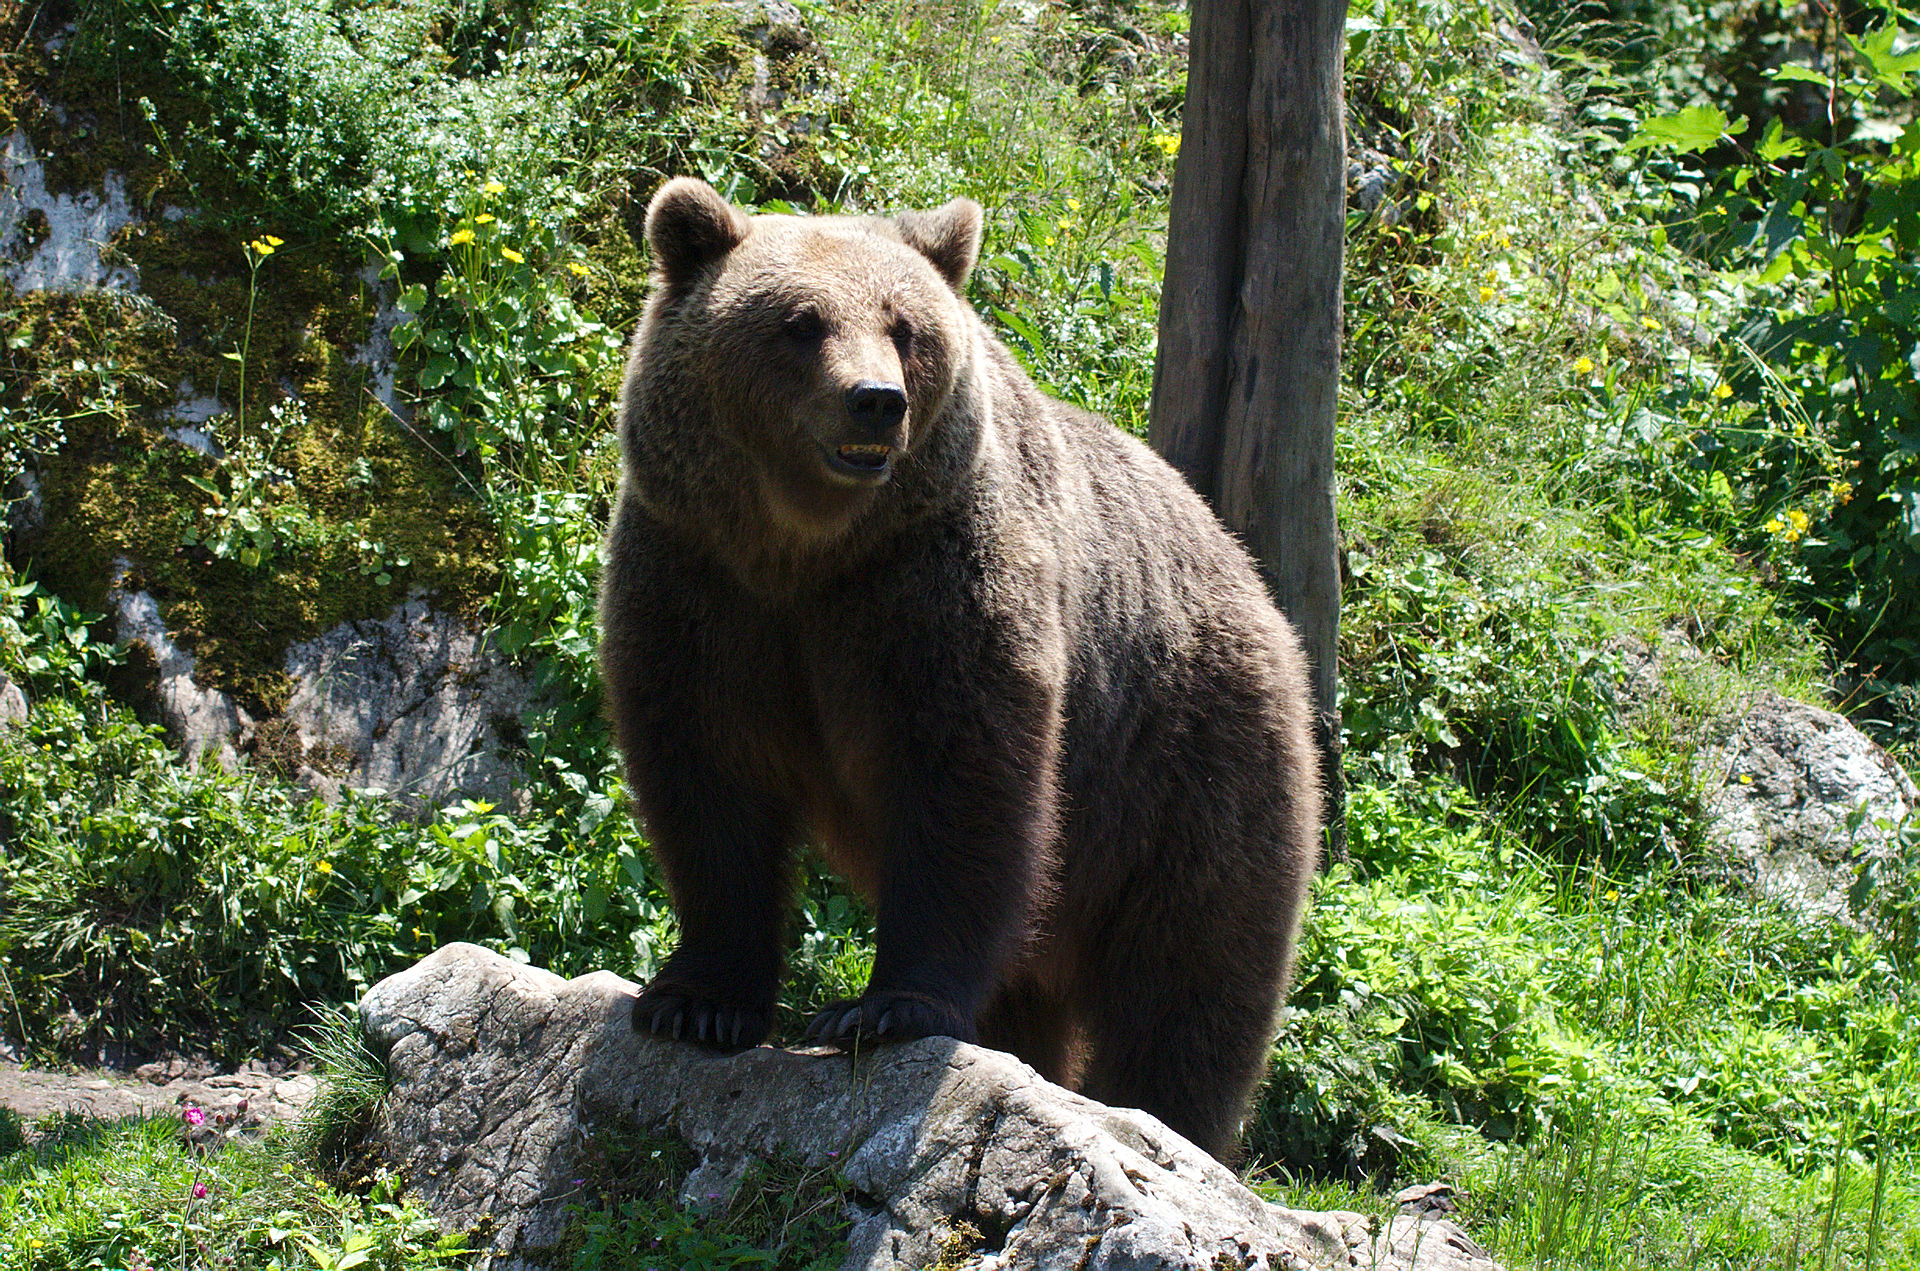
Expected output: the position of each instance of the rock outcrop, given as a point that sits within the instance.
(1793, 792)
(417, 704)
(502, 1074)
(1793, 795)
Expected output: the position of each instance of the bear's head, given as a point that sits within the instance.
(802, 369)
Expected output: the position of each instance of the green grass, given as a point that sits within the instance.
(130, 1193)
(1615, 1070)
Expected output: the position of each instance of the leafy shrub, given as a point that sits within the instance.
(1824, 433)
(1450, 978)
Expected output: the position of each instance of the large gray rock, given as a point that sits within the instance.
(501, 1073)
(417, 704)
(1794, 793)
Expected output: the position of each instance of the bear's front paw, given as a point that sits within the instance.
(885, 1016)
(665, 1011)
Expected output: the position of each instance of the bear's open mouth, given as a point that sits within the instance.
(861, 459)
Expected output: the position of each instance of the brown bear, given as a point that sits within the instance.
(867, 587)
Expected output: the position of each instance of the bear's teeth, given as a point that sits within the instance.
(865, 455)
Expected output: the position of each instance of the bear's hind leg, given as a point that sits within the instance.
(1189, 1050)
(1034, 1025)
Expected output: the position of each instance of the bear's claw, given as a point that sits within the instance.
(888, 1017)
(683, 1017)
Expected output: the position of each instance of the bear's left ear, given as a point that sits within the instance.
(688, 225)
(948, 236)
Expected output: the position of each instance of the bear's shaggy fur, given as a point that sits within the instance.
(867, 587)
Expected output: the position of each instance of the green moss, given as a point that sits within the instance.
(348, 491)
(119, 488)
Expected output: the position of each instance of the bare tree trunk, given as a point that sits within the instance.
(1246, 382)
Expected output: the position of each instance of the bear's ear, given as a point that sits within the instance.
(948, 236)
(690, 225)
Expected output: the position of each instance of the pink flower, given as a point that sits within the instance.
(194, 1116)
(199, 1191)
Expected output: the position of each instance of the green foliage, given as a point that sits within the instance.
(146, 904)
(1615, 1067)
(783, 1214)
(1828, 233)
(137, 1194)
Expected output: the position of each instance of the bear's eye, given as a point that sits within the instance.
(902, 335)
(804, 327)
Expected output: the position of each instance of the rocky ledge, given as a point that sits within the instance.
(503, 1074)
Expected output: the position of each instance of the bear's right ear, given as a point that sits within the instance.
(948, 236)
(688, 226)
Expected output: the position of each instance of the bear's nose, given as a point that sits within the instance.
(877, 406)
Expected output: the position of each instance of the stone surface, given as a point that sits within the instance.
(1793, 792)
(502, 1073)
(417, 704)
(13, 702)
(51, 240)
(1790, 791)
(201, 722)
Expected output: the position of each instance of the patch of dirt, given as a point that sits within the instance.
(235, 1103)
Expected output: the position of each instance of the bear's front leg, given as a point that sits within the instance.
(727, 854)
(971, 817)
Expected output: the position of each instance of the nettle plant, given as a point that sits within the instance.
(1825, 367)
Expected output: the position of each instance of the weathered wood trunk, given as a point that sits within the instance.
(1247, 377)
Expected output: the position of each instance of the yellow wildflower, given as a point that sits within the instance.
(1073, 205)
(1583, 365)
(271, 241)
(1168, 142)
(577, 269)
(1651, 324)
(493, 187)
(485, 218)
(1486, 294)
(1723, 391)
(1775, 525)
(1799, 521)
(1842, 491)
(460, 237)
(513, 255)
(325, 867)
(419, 934)
(1492, 274)
(1505, 240)
(260, 247)
(1047, 241)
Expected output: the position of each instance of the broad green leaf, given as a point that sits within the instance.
(1776, 145)
(1783, 224)
(1686, 131)
(1889, 67)
(1801, 73)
